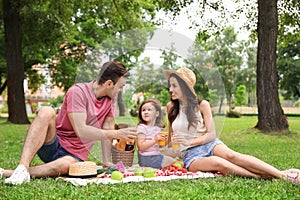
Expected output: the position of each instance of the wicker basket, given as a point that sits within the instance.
(125, 156)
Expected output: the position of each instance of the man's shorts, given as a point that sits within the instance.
(53, 150)
(201, 151)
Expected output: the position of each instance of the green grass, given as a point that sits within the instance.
(282, 151)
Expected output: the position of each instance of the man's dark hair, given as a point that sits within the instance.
(112, 70)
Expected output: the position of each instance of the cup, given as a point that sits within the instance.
(163, 142)
(175, 146)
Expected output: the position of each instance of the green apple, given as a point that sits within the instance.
(178, 164)
(138, 171)
(116, 175)
(149, 172)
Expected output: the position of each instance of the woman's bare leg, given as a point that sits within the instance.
(218, 164)
(247, 162)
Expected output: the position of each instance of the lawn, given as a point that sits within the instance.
(281, 151)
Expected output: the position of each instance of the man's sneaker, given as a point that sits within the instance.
(1, 172)
(19, 176)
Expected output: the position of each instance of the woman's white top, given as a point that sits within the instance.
(180, 126)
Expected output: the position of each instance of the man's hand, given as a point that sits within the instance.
(127, 133)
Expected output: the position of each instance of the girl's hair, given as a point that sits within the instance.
(192, 103)
(160, 120)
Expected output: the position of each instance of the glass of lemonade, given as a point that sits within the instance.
(163, 142)
(175, 146)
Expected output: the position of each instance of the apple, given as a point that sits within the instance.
(149, 172)
(178, 164)
(116, 175)
(138, 171)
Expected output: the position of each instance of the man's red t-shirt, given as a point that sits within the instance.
(80, 99)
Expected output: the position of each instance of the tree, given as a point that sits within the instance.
(227, 58)
(267, 30)
(3, 71)
(148, 78)
(200, 62)
(240, 95)
(127, 47)
(248, 72)
(270, 114)
(289, 69)
(42, 31)
(288, 49)
(14, 62)
(27, 43)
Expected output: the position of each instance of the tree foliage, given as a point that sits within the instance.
(58, 34)
(227, 58)
(264, 23)
(289, 69)
(240, 95)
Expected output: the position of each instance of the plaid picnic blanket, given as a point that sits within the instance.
(130, 177)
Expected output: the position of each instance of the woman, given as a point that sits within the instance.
(192, 126)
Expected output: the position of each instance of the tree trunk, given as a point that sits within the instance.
(221, 104)
(3, 86)
(270, 113)
(15, 66)
(121, 105)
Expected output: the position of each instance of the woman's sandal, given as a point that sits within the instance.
(293, 176)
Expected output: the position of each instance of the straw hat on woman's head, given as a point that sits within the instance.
(186, 75)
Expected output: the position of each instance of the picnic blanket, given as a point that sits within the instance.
(130, 177)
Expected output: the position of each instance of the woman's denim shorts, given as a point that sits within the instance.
(201, 151)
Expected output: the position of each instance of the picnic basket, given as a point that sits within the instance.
(120, 155)
(119, 152)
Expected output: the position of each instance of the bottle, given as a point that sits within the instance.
(129, 145)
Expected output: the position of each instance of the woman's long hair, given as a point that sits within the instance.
(160, 122)
(192, 103)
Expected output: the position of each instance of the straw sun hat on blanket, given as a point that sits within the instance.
(83, 169)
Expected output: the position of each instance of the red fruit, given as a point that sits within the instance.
(184, 170)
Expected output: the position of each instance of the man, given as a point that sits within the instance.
(86, 116)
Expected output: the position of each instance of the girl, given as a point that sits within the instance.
(151, 122)
(192, 126)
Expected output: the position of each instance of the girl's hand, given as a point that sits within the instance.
(159, 136)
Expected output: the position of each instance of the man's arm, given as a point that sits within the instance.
(109, 123)
(84, 131)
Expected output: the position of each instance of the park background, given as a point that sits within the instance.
(49, 45)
